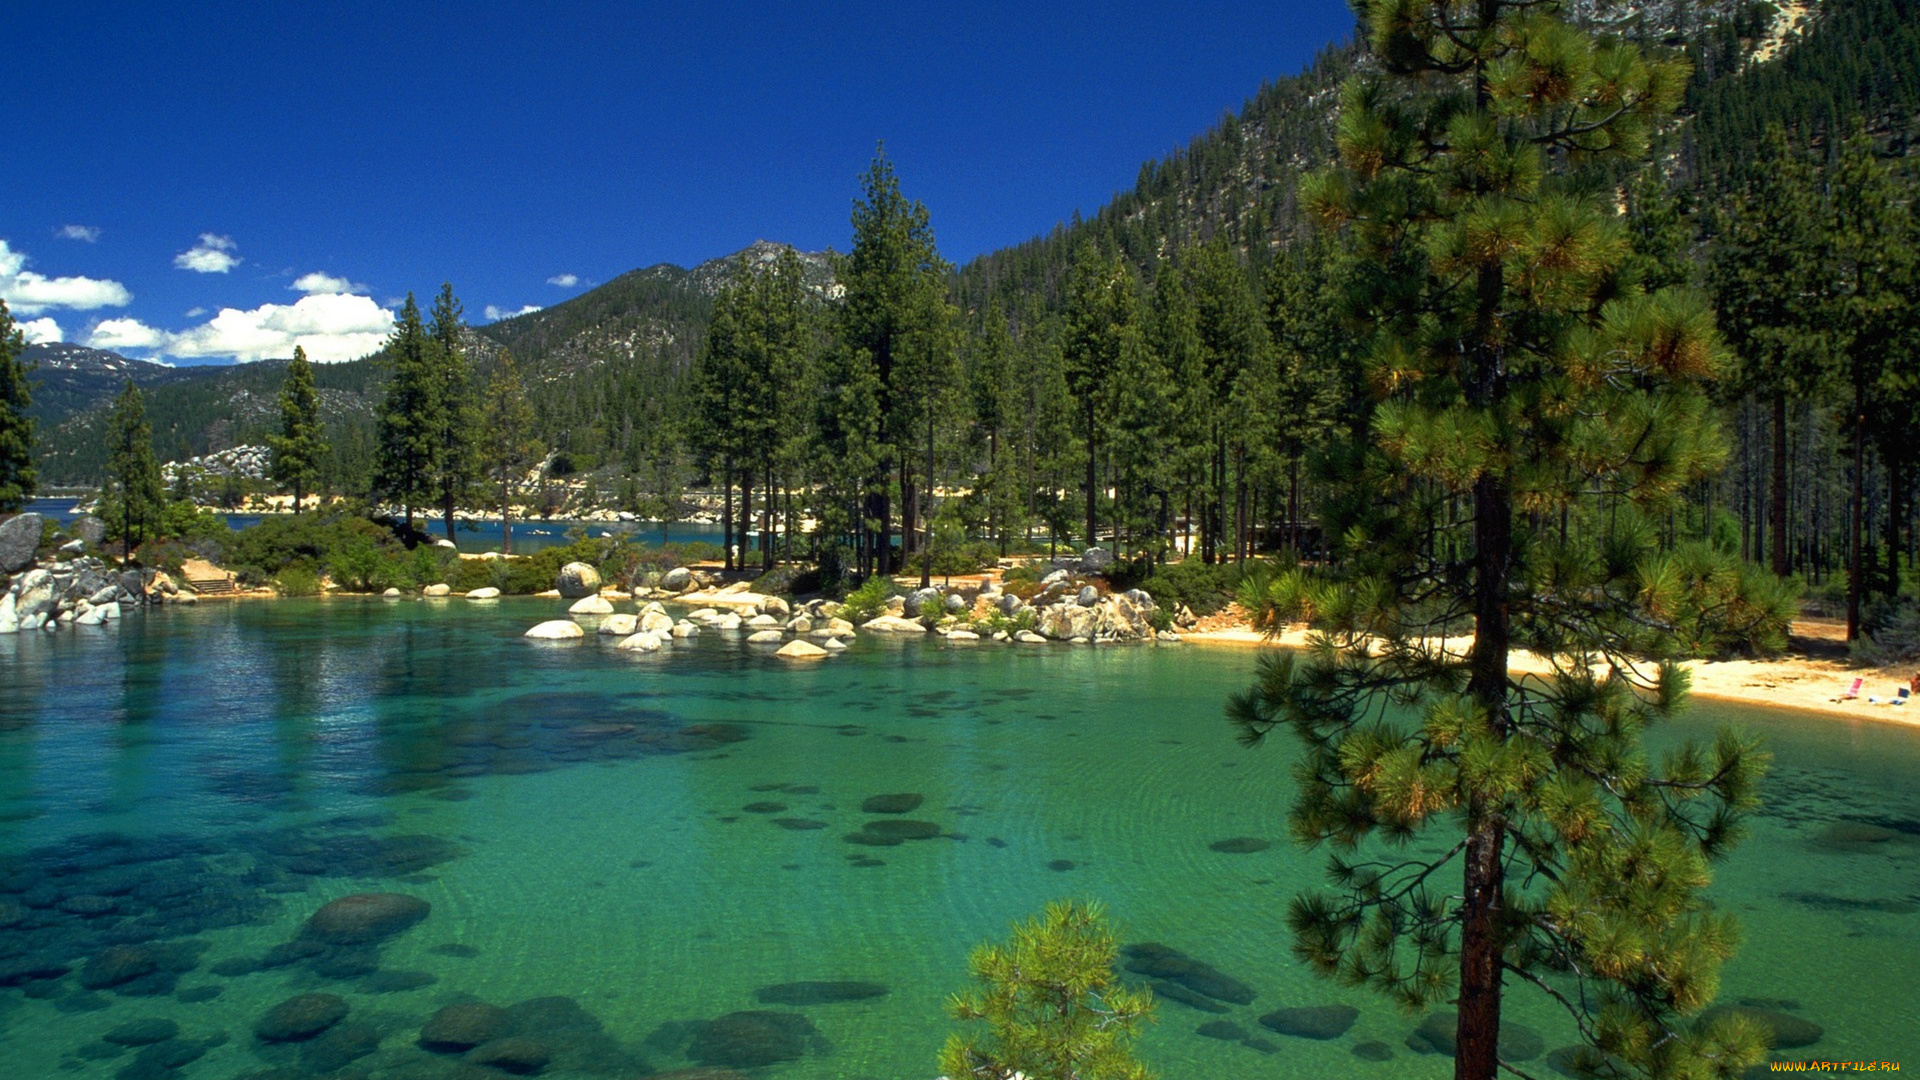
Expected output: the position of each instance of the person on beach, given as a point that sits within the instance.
(1913, 684)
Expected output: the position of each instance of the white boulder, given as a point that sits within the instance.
(557, 630)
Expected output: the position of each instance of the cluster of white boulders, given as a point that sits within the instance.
(807, 632)
(71, 588)
(1072, 605)
(253, 462)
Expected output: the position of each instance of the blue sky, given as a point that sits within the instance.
(209, 182)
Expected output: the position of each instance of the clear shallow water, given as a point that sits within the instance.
(578, 820)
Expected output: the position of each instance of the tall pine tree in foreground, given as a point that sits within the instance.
(506, 445)
(299, 447)
(1533, 413)
(410, 428)
(17, 474)
(136, 498)
(456, 415)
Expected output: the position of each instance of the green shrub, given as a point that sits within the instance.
(297, 581)
(1205, 589)
(1053, 1007)
(260, 552)
(1889, 633)
(869, 601)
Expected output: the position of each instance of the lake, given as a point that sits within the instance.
(619, 847)
(478, 536)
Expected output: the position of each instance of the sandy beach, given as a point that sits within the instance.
(1809, 678)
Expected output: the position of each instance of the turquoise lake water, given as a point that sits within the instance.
(654, 838)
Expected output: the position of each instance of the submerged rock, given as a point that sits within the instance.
(901, 803)
(142, 1032)
(461, 1027)
(365, 917)
(1224, 1030)
(1240, 845)
(818, 993)
(1164, 962)
(752, 1039)
(517, 1054)
(1312, 1022)
(300, 1017)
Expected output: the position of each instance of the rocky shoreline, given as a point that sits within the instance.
(70, 588)
(1071, 604)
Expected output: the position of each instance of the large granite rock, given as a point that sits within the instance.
(679, 579)
(89, 528)
(19, 539)
(577, 579)
(590, 605)
(800, 650)
(557, 630)
(893, 624)
(622, 624)
(1096, 560)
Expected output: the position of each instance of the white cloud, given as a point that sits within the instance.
(331, 327)
(565, 281)
(495, 314)
(195, 312)
(41, 331)
(28, 293)
(118, 334)
(318, 282)
(89, 233)
(212, 255)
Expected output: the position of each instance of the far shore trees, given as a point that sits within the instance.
(17, 475)
(506, 444)
(1536, 412)
(300, 447)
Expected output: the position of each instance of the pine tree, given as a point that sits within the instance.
(1869, 306)
(1102, 323)
(456, 415)
(410, 423)
(17, 474)
(135, 489)
(299, 448)
(1236, 359)
(1051, 1002)
(895, 284)
(1765, 275)
(1532, 416)
(507, 445)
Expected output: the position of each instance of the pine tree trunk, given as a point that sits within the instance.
(746, 513)
(1894, 481)
(446, 505)
(1091, 478)
(1777, 499)
(926, 514)
(506, 514)
(726, 511)
(1856, 515)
